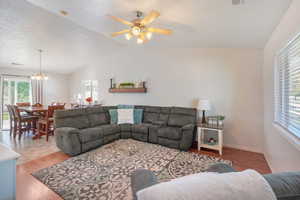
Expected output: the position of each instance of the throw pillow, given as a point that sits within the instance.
(113, 116)
(125, 116)
(138, 116)
(122, 106)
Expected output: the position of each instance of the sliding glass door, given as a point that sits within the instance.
(14, 89)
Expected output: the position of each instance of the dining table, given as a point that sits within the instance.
(34, 109)
(39, 111)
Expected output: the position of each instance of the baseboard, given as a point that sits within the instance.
(245, 148)
(267, 157)
(235, 146)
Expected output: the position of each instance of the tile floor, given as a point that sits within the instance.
(28, 148)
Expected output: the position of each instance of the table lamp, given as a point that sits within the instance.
(204, 105)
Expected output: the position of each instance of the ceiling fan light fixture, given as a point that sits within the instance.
(139, 41)
(148, 35)
(139, 27)
(128, 36)
(136, 30)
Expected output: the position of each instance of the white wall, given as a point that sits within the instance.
(282, 155)
(230, 78)
(56, 88)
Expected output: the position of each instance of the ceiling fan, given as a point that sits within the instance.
(139, 27)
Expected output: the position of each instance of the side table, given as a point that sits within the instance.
(202, 129)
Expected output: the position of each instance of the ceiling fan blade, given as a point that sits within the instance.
(150, 18)
(120, 32)
(123, 21)
(160, 31)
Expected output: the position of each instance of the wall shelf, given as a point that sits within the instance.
(128, 90)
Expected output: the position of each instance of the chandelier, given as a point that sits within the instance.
(40, 75)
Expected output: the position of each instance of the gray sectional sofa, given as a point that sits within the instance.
(83, 129)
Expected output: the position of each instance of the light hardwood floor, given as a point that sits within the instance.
(29, 188)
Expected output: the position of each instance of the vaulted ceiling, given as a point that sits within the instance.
(69, 40)
(196, 23)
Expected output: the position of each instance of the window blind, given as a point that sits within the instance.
(287, 87)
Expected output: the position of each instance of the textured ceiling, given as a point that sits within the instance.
(196, 23)
(24, 28)
(72, 41)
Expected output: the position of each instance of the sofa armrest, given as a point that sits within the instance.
(187, 137)
(67, 139)
(286, 185)
(188, 127)
(140, 179)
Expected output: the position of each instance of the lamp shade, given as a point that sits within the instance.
(203, 104)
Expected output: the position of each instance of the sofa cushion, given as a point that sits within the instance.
(110, 129)
(180, 120)
(79, 122)
(110, 138)
(141, 137)
(91, 145)
(152, 109)
(125, 127)
(150, 117)
(140, 128)
(97, 119)
(69, 113)
(168, 143)
(97, 116)
(184, 111)
(173, 133)
(90, 134)
(165, 110)
(163, 118)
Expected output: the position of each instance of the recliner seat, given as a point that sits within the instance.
(83, 129)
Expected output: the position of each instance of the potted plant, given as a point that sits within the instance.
(127, 85)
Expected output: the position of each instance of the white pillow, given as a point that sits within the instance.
(246, 185)
(125, 116)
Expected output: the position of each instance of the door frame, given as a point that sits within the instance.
(2, 77)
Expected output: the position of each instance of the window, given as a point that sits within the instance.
(90, 89)
(287, 87)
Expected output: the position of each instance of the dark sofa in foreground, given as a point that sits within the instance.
(83, 129)
(285, 185)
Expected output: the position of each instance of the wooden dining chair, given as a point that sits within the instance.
(23, 122)
(12, 120)
(23, 104)
(45, 125)
(37, 105)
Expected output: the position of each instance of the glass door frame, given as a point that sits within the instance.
(2, 77)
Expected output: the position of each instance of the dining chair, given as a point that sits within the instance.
(37, 105)
(45, 125)
(23, 104)
(12, 120)
(23, 122)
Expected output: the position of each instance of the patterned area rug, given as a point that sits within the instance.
(104, 173)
